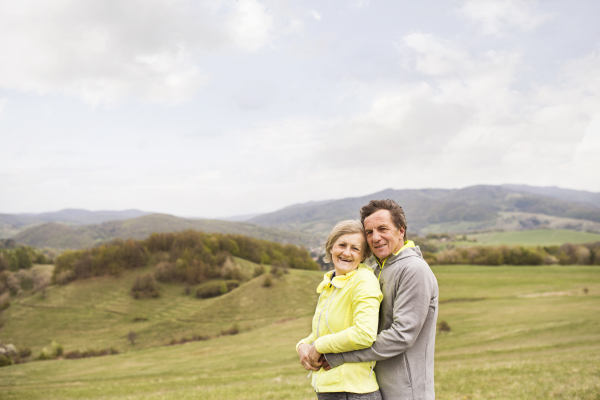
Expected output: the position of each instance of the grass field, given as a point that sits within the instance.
(537, 237)
(517, 333)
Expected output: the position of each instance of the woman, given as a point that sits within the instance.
(345, 319)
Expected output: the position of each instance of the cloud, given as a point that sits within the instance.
(358, 5)
(3, 103)
(468, 121)
(105, 51)
(250, 24)
(315, 15)
(495, 17)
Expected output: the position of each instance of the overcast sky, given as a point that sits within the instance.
(219, 108)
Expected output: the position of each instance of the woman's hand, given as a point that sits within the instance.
(304, 352)
(314, 356)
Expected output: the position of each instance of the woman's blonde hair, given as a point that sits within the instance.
(342, 228)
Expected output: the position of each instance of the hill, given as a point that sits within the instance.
(61, 236)
(470, 209)
(12, 224)
(523, 333)
(576, 196)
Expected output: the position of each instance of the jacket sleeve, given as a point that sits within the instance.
(366, 298)
(411, 305)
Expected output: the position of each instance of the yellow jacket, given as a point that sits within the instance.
(346, 319)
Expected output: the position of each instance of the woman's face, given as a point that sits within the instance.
(347, 252)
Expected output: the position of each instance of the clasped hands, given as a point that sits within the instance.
(311, 359)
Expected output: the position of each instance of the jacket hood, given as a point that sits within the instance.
(409, 250)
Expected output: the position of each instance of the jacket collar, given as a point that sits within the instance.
(338, 281)
(399, 255)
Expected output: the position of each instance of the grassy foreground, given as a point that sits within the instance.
(517, 333)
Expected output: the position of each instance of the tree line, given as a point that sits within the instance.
(566, 254)
(189, 256)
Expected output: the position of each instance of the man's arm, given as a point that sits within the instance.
(411, 305)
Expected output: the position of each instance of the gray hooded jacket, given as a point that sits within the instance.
(407, 323)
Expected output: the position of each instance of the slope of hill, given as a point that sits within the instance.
(518, 333)
(12, 224)
(576, 196)
(459, 210)
(60, 236)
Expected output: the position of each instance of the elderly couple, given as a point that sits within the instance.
(357, 349)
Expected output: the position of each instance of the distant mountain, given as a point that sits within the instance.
(61, 236)
(474, 208)
(576, 196)
(11, 224)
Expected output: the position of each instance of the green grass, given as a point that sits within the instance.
(537, 237)
(517, 333)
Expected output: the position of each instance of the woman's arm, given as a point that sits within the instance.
(366, 299)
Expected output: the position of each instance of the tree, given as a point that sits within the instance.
(41, 281)
(132, 337)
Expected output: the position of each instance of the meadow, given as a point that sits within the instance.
(535, 237)
(516, 333)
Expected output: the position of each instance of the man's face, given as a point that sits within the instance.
(382, 235)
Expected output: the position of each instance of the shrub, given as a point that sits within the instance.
(64, 277)
(46, 354)
(73, 355)
(443, 327)
(267, 280)
(214, 288)
(166, 272)
(24, 352)
(57, 349)
(41, 281)
(13, 284)
(234, 330)
(4, 301)
(5, 360)
(25, 278)
(144, 286)
(3, 263)
(223, 288)
(259, 270)
(132, 337)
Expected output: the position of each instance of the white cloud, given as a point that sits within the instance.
(315, 15)
(104, 51)
(495, 17)
(251, 24)
(3, 103)
(358, 5)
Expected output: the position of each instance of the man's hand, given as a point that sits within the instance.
(324, 363)
(304, 351)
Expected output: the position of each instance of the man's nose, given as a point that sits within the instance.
(376, 236)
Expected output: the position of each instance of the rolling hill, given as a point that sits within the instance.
(12, 224)
(516, 333)
(61, 236)
(471, 209)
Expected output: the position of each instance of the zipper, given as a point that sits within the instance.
(408, 369)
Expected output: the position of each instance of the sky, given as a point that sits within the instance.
(221, 108)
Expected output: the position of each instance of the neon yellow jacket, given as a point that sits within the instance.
(346, 319)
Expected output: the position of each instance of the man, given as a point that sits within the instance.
(407, 318)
